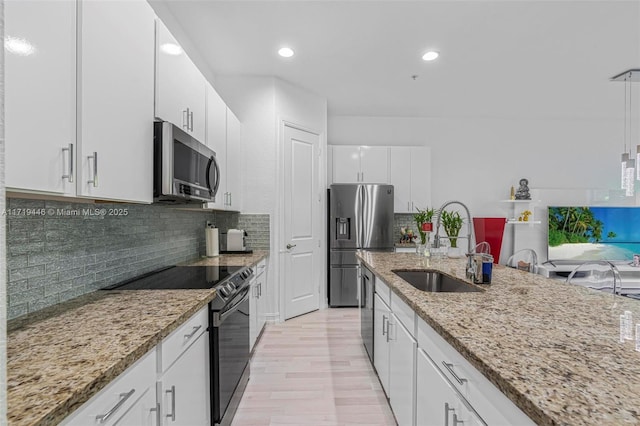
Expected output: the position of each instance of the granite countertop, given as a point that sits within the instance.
(58, 358)
(552, 348)
(231, 259)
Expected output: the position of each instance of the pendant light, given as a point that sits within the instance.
(629, 173)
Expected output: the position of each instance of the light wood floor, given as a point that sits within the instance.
(313, 370)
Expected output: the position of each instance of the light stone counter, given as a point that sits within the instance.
(551, 347)
(58, 358)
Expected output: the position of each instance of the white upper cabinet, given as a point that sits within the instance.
(224, 136)
(360, 164)
(115, 152)
(410, 175)
(180, 87)
(216, 125)
(40, 95)
(234, 162)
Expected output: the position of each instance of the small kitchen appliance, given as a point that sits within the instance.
(235, 240)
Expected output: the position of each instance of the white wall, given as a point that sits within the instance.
(261, 103)
(477, 160)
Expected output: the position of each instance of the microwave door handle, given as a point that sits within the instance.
(213, 188)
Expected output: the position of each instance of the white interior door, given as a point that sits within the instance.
(302, 216)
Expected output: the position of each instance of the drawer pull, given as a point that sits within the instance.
(172, 391)
(123, 398)
(449, 367)
(69, 175)
(446, 413)
(193, 332)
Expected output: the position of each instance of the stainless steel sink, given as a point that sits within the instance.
(434, 281)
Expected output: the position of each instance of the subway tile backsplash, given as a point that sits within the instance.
(76, 248)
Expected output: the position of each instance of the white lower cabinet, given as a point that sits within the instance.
(257, 301)
(381, 317)
(184, 388)
(402, 361)
(143, 412)
(119, 396)
(437, 401)
(167, 386)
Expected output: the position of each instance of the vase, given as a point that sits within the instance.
(454, 252)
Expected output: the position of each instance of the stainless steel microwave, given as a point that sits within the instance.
(185, 170)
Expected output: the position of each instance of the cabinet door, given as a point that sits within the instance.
(402, 361)
(400, 177)
(374, 164)
(116, 101)
(143, 412)
(217, 140)
(253, 313)
(180, 87)
(436, 400)
(261, 309)
(346, 164)
(40, 94)
(234, 162)
(184, 395)
(420, 178)
(381, 317)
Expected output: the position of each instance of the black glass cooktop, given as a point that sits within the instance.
(178, 277)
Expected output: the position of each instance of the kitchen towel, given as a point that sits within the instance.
(213, 249)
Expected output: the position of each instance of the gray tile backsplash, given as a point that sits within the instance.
(257, 228)
(67, 252)
(401, 220)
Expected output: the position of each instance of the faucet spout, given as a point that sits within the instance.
(470, 244)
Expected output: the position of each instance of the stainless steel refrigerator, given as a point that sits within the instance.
(360, 217)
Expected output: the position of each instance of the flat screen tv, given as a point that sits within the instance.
(594, 233)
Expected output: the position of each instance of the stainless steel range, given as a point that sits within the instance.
(228, 326)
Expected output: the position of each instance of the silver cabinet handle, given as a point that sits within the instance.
(408, 207)
(446, 413)
(455, 420)
(260, 290)
(158, 417)
(123, 398)
(69, 175)
(384, 326)
(172, 391)
(193, 332)
(449, 367)
(290, 246)
(94, 181)
(191, 120)
(185, 119)
(230, 200)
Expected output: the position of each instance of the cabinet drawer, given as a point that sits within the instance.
(382, 290)
(492, 405)
(404, 313)
(119, 395)
(175, 343)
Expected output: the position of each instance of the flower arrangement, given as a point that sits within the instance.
(422, 217)
(452, 223)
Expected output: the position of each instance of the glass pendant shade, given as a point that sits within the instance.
(623, 171)
(631, 178)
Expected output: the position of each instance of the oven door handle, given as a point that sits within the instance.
(213, 188)
(219, 317)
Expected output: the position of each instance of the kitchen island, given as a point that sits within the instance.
(58, 358)
(550, 347)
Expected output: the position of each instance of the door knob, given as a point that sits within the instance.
(290, 246)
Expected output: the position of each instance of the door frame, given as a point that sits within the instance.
(279, 236)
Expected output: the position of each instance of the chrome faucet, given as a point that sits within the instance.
(470, 267)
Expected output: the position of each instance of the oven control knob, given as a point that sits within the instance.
(224, 291)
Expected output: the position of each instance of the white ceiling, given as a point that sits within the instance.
(511, 59)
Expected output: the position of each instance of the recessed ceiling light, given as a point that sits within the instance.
(19, 46)
(171, 49)
(430, 55)
(285, 52)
